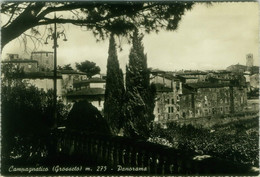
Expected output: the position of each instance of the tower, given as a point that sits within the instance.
(249, 60)
(45, 60)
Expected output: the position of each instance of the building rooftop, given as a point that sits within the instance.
(162, 88)
(207, 85)
(87, 92)
(193, 73)
(186, 91)
(70, 72)
(187, 77)
(91, 80)
(20, 61)
(42, 51)
(40, 75)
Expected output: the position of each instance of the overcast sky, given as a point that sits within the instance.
(207, 38)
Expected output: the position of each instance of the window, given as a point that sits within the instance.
(172, 101)
(221, 109)
(158, 110)
(168, 101)
(46, 54)
(170, 109)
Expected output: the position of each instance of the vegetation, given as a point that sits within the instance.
(235, 141)
(65, 67)
(114, 90)
(27, 117)
(139, 96)
(88, 67)
(100, 18)
(85, 117)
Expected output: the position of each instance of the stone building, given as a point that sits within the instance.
(192, 75)
(91, 90)
(168, 91)
(249, 60)
(45, 60)
(24, 64)
(44, 81)
(69, 77)
(214, 99)
(178, 99)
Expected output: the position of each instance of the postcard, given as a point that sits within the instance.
(129, 88)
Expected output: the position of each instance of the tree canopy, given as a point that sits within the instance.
(140, 95)
(114, 90)
(88, 67)
(99, 17)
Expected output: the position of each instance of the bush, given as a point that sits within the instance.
(235, 141)
(86, 118)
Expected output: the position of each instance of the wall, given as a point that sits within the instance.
(161, 80)
(27, 67)
(212, 101)
(45, 60)
(97, 85)
(254, 81)
(186, 106)
(46, 84)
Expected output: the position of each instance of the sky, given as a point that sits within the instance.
(208, 38)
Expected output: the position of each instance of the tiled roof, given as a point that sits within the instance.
(40, 75)
(186, 91)
(42, 51)
(187, 77)
(20, 61)
(162, 88)
(207, 85)
(70, 72)
(91, 80)
(193, 73)
(87, 92)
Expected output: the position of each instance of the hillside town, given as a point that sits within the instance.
(183, 94)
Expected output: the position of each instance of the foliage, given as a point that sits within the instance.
(101, 18)
(88, 67)
(114, 90)
(139, 97)
(65, 67)
(236, 141)
(11, 75)
(86, 118)
(26, 115)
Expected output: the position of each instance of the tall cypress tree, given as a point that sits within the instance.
(114, 89)
(139, 97)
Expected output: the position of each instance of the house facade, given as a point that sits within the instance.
(178, 99)
(45, 60)
(26, 65)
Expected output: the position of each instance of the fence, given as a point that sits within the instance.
(139, 156)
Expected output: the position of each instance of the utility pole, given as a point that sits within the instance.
(55, 45)
(54, 36)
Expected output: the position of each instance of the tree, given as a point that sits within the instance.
(67, 67)
(101, 18)
(88, 67)
(26, 115)
(114, 90)
(85, 117)
(140, 95)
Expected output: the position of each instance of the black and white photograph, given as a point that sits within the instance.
(129, 88)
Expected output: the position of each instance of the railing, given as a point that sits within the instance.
(145, 157)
